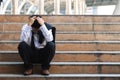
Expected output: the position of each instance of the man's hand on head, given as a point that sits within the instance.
(31, 20)
(40, 20)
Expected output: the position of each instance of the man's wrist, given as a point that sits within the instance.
(42, 24)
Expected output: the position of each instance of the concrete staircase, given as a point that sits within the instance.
(87, 48)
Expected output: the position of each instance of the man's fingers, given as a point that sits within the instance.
(40, 20)
(34, 17)
(31, 21)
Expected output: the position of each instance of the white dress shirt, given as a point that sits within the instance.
(26, 35)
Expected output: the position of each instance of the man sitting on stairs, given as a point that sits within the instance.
(37, 45)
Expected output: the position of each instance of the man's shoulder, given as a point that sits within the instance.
(26, 27)
(48, 25)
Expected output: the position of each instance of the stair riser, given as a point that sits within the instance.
(63, 78)
(59, 27)
(107, 37)
(16, 36)
(15, 69)
(68, 57)
(56, 19)
(111, 78)
(24, 18)
(108, 19)
(10, 27)
(78, 69)
(83, 78)
(87, 78)
(53, 78)
(107, 27)
(73, 47)
(59, 47)
(10, 37)
(66, 27)
(70, 37)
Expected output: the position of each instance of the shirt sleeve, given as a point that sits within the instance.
(25, 34)
(47, 33)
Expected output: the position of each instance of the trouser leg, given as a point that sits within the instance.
(26, 54)
(49, 54)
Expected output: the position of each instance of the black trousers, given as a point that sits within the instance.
(43, 56)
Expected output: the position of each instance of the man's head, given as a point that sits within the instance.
(35, 24)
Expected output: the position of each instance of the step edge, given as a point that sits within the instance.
(69, 32)
(87, 32)
(61, 75)
(69, 23)
(117, 41)
(70, 52)
(66, 63)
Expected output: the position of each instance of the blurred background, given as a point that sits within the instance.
(60, 7)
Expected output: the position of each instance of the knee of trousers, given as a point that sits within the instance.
(22, 45)
(51, 45)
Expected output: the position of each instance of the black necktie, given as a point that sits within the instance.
(41, 37)
(32, 41)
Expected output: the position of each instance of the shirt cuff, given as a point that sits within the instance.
(43, 28)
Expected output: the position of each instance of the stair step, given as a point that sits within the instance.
(76, 42)
(24, 18)
(75, 45)
(68, 63)
(8, 45)
(63, 18)
(107, 27)
(70, 56)
(65, 67)
(69, 32)
(16, 36)
(104, 19)
(59, 26)
(62, 36)
(79, 23)
(61, 77)
(93, 52)
(85, 26)
(71, 52)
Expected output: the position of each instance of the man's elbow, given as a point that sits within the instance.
(49, 39)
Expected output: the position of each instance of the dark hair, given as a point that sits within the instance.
(35, 15)
(36, 23)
